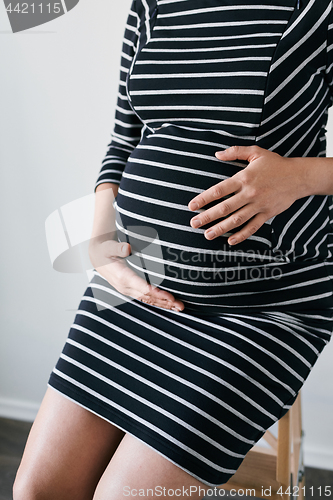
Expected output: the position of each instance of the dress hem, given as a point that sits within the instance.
(130, 424)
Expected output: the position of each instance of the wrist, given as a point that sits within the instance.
(306, 178)
(315, 175)
(104, 214)
(108, 185)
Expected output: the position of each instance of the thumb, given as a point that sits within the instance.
(116, 249)
(247, 153)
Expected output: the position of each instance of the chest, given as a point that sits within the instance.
(220, 61)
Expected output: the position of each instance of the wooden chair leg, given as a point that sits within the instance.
(278, 467)
(301, 495)
(283, 465)
(296, 426)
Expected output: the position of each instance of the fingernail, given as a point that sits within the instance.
(196, 223)
(176, 308)
(194, 206)
(124, 248)
(232, 241)
(210, 234)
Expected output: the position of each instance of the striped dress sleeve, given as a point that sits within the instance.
(127, 126)
(329, 49)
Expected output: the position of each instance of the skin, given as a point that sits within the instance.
(72, 454)
(267, 186)
(107, 255)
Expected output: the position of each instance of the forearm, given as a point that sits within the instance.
(104, 216)
(315, 174)
(108, 185)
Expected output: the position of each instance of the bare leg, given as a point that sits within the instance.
(135, 466)
(67, 451)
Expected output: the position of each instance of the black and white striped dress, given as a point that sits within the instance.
(202, 386)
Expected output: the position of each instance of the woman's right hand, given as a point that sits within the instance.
(108, 258)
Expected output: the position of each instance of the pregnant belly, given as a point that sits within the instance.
(163, 174)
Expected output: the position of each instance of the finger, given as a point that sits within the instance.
(109, 251)
(250, 228)
(235, 220)
(161, 298)
(115, 249)
(216, 192)
(164, 304)
(129, 283)
(139, 289)
(222, 209)
(247, 153)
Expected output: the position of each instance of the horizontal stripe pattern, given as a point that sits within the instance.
(196, 79)
(202, 386)
(199, 390)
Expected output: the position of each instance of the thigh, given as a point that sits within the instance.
(136, 470)
(66, 453)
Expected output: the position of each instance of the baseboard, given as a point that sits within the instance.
(18, 409)
(318, 458)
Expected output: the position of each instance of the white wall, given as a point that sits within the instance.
(58, 92)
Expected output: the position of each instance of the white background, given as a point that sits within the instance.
(58, 92)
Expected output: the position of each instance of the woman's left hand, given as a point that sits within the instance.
(267, 186)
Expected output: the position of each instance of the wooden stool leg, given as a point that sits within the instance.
(283, 465)
(301, 495)
(275, 469)
(297, 437)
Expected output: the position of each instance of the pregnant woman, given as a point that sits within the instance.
(212, 292)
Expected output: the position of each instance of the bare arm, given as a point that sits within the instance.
(318, 175)
(107, 255)
(104, 217)
(267, 186)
